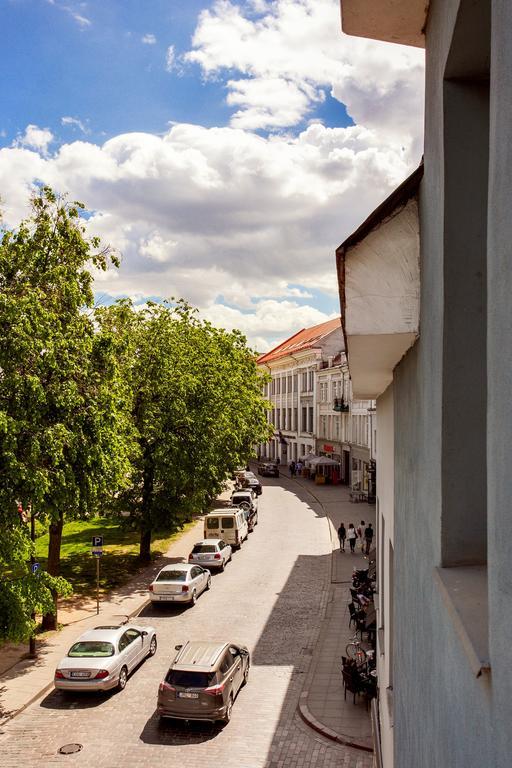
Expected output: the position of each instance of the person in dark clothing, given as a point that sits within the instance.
(368, 538)
(293, 469)
(342, 535)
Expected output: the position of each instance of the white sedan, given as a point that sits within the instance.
(179, 583)
(211, 553)
(102, 658)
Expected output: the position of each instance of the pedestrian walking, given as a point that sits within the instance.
(368, 538)
(293, 468)
(351, 536)
(360, 534)
(342, 535)
(299, 467)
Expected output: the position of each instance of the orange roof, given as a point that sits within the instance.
(305, 339)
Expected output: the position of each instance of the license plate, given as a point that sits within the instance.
(166, 597)
(186, 695)
(80, 674)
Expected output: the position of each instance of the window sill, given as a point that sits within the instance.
(464, 592)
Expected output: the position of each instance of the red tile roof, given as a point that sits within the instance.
(305, 339)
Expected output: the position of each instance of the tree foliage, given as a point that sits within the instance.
(197, 408)
(64, 430)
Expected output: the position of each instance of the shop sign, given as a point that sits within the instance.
(328, 448)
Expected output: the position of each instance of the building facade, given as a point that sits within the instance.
(312, 408)
(437, 356)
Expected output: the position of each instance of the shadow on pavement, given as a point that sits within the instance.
(177, 732)
(68, 700)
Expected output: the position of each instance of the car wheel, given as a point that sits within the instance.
(229, 710)
(208, 582)
(193, 599)
(246, 675)
(152, 646)
(123, 677)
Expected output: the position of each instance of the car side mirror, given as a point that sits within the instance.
(178, 647)
(144, 633)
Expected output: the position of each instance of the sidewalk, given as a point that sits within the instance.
(24, 679)
(322, 704)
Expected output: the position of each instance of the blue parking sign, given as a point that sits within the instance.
(35, 568)
(97, 541)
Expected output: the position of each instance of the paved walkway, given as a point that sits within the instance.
(322, 705)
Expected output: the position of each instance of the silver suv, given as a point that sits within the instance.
(203, 681)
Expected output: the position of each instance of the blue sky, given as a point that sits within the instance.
(263, 137)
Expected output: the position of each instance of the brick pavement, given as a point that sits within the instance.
(269, 598)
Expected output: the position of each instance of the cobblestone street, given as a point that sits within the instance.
(270, 598)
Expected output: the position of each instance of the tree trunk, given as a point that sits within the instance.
(146, 523)
(145, 546)
(53, 568)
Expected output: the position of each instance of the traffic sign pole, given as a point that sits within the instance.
(32, 652)
(97, 585)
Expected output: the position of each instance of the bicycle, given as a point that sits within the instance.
(355, 652)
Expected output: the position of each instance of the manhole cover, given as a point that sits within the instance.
(70, 749)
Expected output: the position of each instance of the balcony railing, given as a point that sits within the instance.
(340, 405)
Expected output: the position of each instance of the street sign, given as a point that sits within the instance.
(35, 568)
(97, 552)
(97, 542)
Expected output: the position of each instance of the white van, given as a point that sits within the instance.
(230, 525)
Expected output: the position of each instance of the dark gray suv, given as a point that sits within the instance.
(203, 681)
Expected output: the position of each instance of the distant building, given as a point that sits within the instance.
(312, 410)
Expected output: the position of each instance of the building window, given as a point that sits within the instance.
(304, 424)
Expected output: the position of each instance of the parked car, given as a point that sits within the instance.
(102, 658)
(249, 480)
(245, 496)
(268, 469)
(247, 501)
(211, 553)
(230, 525)
(203, 681)
(179, 583)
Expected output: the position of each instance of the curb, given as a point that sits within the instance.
(323, 730)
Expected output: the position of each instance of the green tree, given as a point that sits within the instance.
(65, 429)
(197, 408)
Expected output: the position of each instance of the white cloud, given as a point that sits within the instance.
(71, 9)
(299, 42)
(270, 323)
(35, 138)
(170, 59)
(148, 39)
(75, 122)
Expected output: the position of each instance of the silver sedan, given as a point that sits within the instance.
(179, 583)
(102, 658)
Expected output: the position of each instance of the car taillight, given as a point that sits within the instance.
(236, 537)
(216, 556)
(215, 690)
(59, 675)
(150, 587)
(184, 589)
(101, 674)
(190, 556)
(165, 687)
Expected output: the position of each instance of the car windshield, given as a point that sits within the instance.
(212, 522)
(204, 548)
(184, 679)
(91, 649)
(239, 498)
(172, 576)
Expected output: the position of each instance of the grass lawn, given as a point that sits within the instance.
(119, 561)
